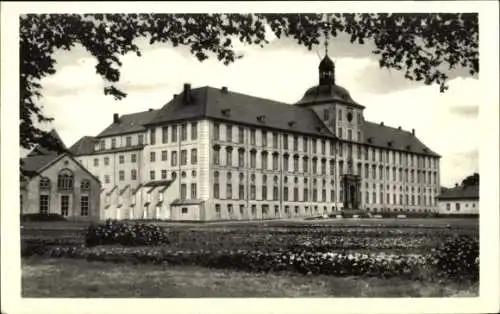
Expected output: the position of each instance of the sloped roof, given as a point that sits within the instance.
(209, 102)
(327, 93)
(380, 136)
(460, 192)
(36, 162)
(129, 123)
(84, 146)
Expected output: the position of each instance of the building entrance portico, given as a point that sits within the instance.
(352, 191)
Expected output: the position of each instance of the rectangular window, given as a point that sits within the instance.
(216, 131)
(306, 195)
(164, 174)
(323, 195)
(217, 210)
(121, 175)
(121, 159)
(128, 141)
(304, 144)
(264, 138)
(229, 133)
(285, 163)
(323, 147)
(275, 140)
(253, 157)
(241, 158)
(349, 135)
(173, 159)
(102, 145)
(64, 205)
(264, 161)
(304, 165)
(194, 130)
(314, 146)
(252, 137)
(241, 135)
(133, 158)
(315, 195)
(252, 192)
(332, 195)
(296, 164)
(140, 139)
(216, 156)
(96, 162)
(164, 134)
(457, 205)
(152, 175)
(295, 143)
(314, 166)
(326, 114)
(275, 193)
(133, 174)
(164, 155)
(174, 133)
(295, 194)
(152, 156)
(194, 156)
(340, 115)
(184, 132)
(113, 143)
(184, 210)
(183, 191)
(153, 136)
(339, 133)
(285, 194)
(184, 157)
(106, 161)
(264, 192)
(194, 193)
(106, 178)
(216, 190)
(229, 191)
(84, 205)
(241, 192)
(44, 204)
(285, 141)
(229, 157)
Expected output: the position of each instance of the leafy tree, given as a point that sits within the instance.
(471, 180)
(418, 44)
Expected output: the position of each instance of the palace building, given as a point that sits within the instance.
(212, 154)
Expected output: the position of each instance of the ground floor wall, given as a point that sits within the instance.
(458, 207)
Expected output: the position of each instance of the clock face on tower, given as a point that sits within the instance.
(349, 116)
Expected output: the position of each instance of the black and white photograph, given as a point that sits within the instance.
(198, 152)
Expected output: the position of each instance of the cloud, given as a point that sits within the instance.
(281, 71)
(467, 111)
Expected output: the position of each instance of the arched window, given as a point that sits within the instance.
(85, 185)
(65, 180)
(44, 183)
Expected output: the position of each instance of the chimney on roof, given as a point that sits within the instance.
(382, 123)
(413, 131)
(187, 93)
(456, 185)
(150, 109)
(224, 89)
(116, 118)
(399, 127)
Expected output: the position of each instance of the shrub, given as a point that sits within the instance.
(117, 232)
(41, 217)
(458, 258)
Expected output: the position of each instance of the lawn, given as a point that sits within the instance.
(68, 278)
(91, 272)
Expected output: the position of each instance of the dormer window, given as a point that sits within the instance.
(261, 119)
(408, 147)
(389, 143)
(226, 112)
(292, 124)
(370, 140)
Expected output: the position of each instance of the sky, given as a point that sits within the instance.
(282, 71)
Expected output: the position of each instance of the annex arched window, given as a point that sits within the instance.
(44, 183)
(65, 180)
(85, 185)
